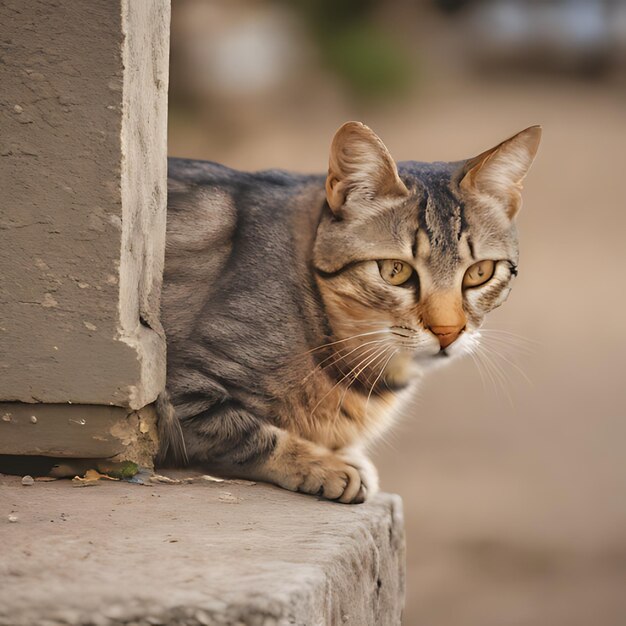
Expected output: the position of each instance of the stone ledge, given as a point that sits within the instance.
(201, 553)
(78, 431)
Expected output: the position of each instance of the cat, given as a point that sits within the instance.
(300, 310)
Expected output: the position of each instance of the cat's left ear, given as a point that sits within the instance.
(360, 167)
(499, 172)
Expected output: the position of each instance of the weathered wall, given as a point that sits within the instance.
(83, 110)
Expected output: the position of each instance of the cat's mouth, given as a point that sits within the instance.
(414, 342)
(422, 346)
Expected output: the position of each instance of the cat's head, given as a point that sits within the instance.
(411, 258)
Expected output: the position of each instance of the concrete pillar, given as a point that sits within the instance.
(83, 117)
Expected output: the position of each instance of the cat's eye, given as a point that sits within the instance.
(479, 273)
(395, 272)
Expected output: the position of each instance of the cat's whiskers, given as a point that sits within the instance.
(381, 354)
(471, 351)
(510, 340)
(507, 348)
(488, 369)
(336, 352)
(339, 357)
(496, 353)
(501, 331)
(332, 343)
(363, 357)
(491, 358)
(499, 380)
(363, 360)
(363, 366)
(474, 350)
(382, 370)
(369, 352)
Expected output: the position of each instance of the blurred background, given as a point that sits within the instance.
(512, 469)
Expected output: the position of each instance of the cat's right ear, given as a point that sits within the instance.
(360, 167)
(498, 173)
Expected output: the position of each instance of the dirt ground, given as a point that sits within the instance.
(514, 490)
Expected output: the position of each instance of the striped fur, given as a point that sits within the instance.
(287, 352)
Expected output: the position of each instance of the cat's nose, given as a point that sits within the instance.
(446, 334)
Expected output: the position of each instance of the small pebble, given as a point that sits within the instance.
(13, 518)
(27, 481)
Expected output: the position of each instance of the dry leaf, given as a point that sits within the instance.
(211, 479)
(158, 478)
(227, 481)
(239, 481)
(91, 477)
(77, 481)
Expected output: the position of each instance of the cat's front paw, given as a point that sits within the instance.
(346, 475)
(334, 478)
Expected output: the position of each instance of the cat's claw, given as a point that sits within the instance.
(362, 496)
(367, 472)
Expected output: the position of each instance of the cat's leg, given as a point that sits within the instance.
(232, 441)
(300, 465)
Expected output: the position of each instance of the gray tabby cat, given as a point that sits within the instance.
(300, 310)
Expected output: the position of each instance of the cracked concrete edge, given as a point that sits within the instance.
(79, 431)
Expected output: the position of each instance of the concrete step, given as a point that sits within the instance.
(199, 553)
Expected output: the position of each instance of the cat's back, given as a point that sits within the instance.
(207, 202)
(212, 197)
(189, 176)
(218, 220)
